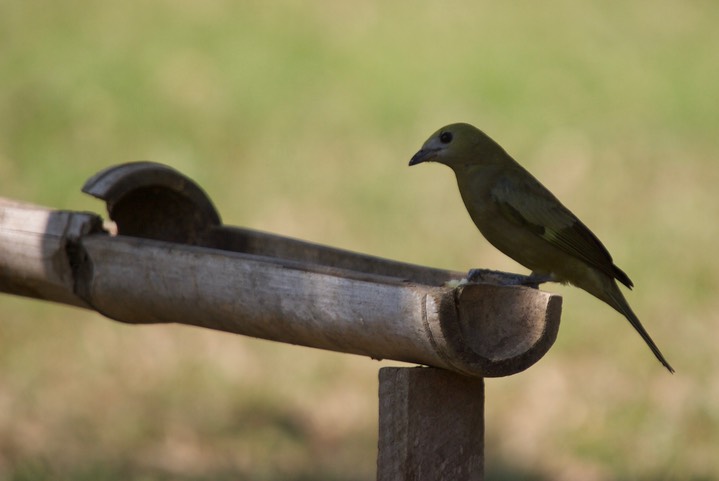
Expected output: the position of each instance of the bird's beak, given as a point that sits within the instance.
(424, 155)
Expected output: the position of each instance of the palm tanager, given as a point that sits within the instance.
(521, 218)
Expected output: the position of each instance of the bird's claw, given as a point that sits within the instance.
(506, 279)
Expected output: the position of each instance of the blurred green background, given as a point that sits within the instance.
(299, 118)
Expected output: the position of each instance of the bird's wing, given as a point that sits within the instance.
(522, 200)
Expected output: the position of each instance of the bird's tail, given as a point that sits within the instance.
(615, 298)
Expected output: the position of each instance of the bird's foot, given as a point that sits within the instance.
(533, 280)
(506, 279)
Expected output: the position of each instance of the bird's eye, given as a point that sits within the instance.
(445, 137)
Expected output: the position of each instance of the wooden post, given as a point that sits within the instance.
(431, 425)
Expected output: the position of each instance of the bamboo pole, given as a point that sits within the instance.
(173, 261)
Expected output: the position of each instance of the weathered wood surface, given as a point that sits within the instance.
(163, 267)
(33, 250)
(477, 329)
(431, 426)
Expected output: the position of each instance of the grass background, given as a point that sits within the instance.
(299, 118)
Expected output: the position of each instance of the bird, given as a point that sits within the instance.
(525, 221)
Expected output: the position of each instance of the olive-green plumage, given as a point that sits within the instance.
(521, 218)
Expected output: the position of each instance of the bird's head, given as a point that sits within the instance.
(457, 145)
